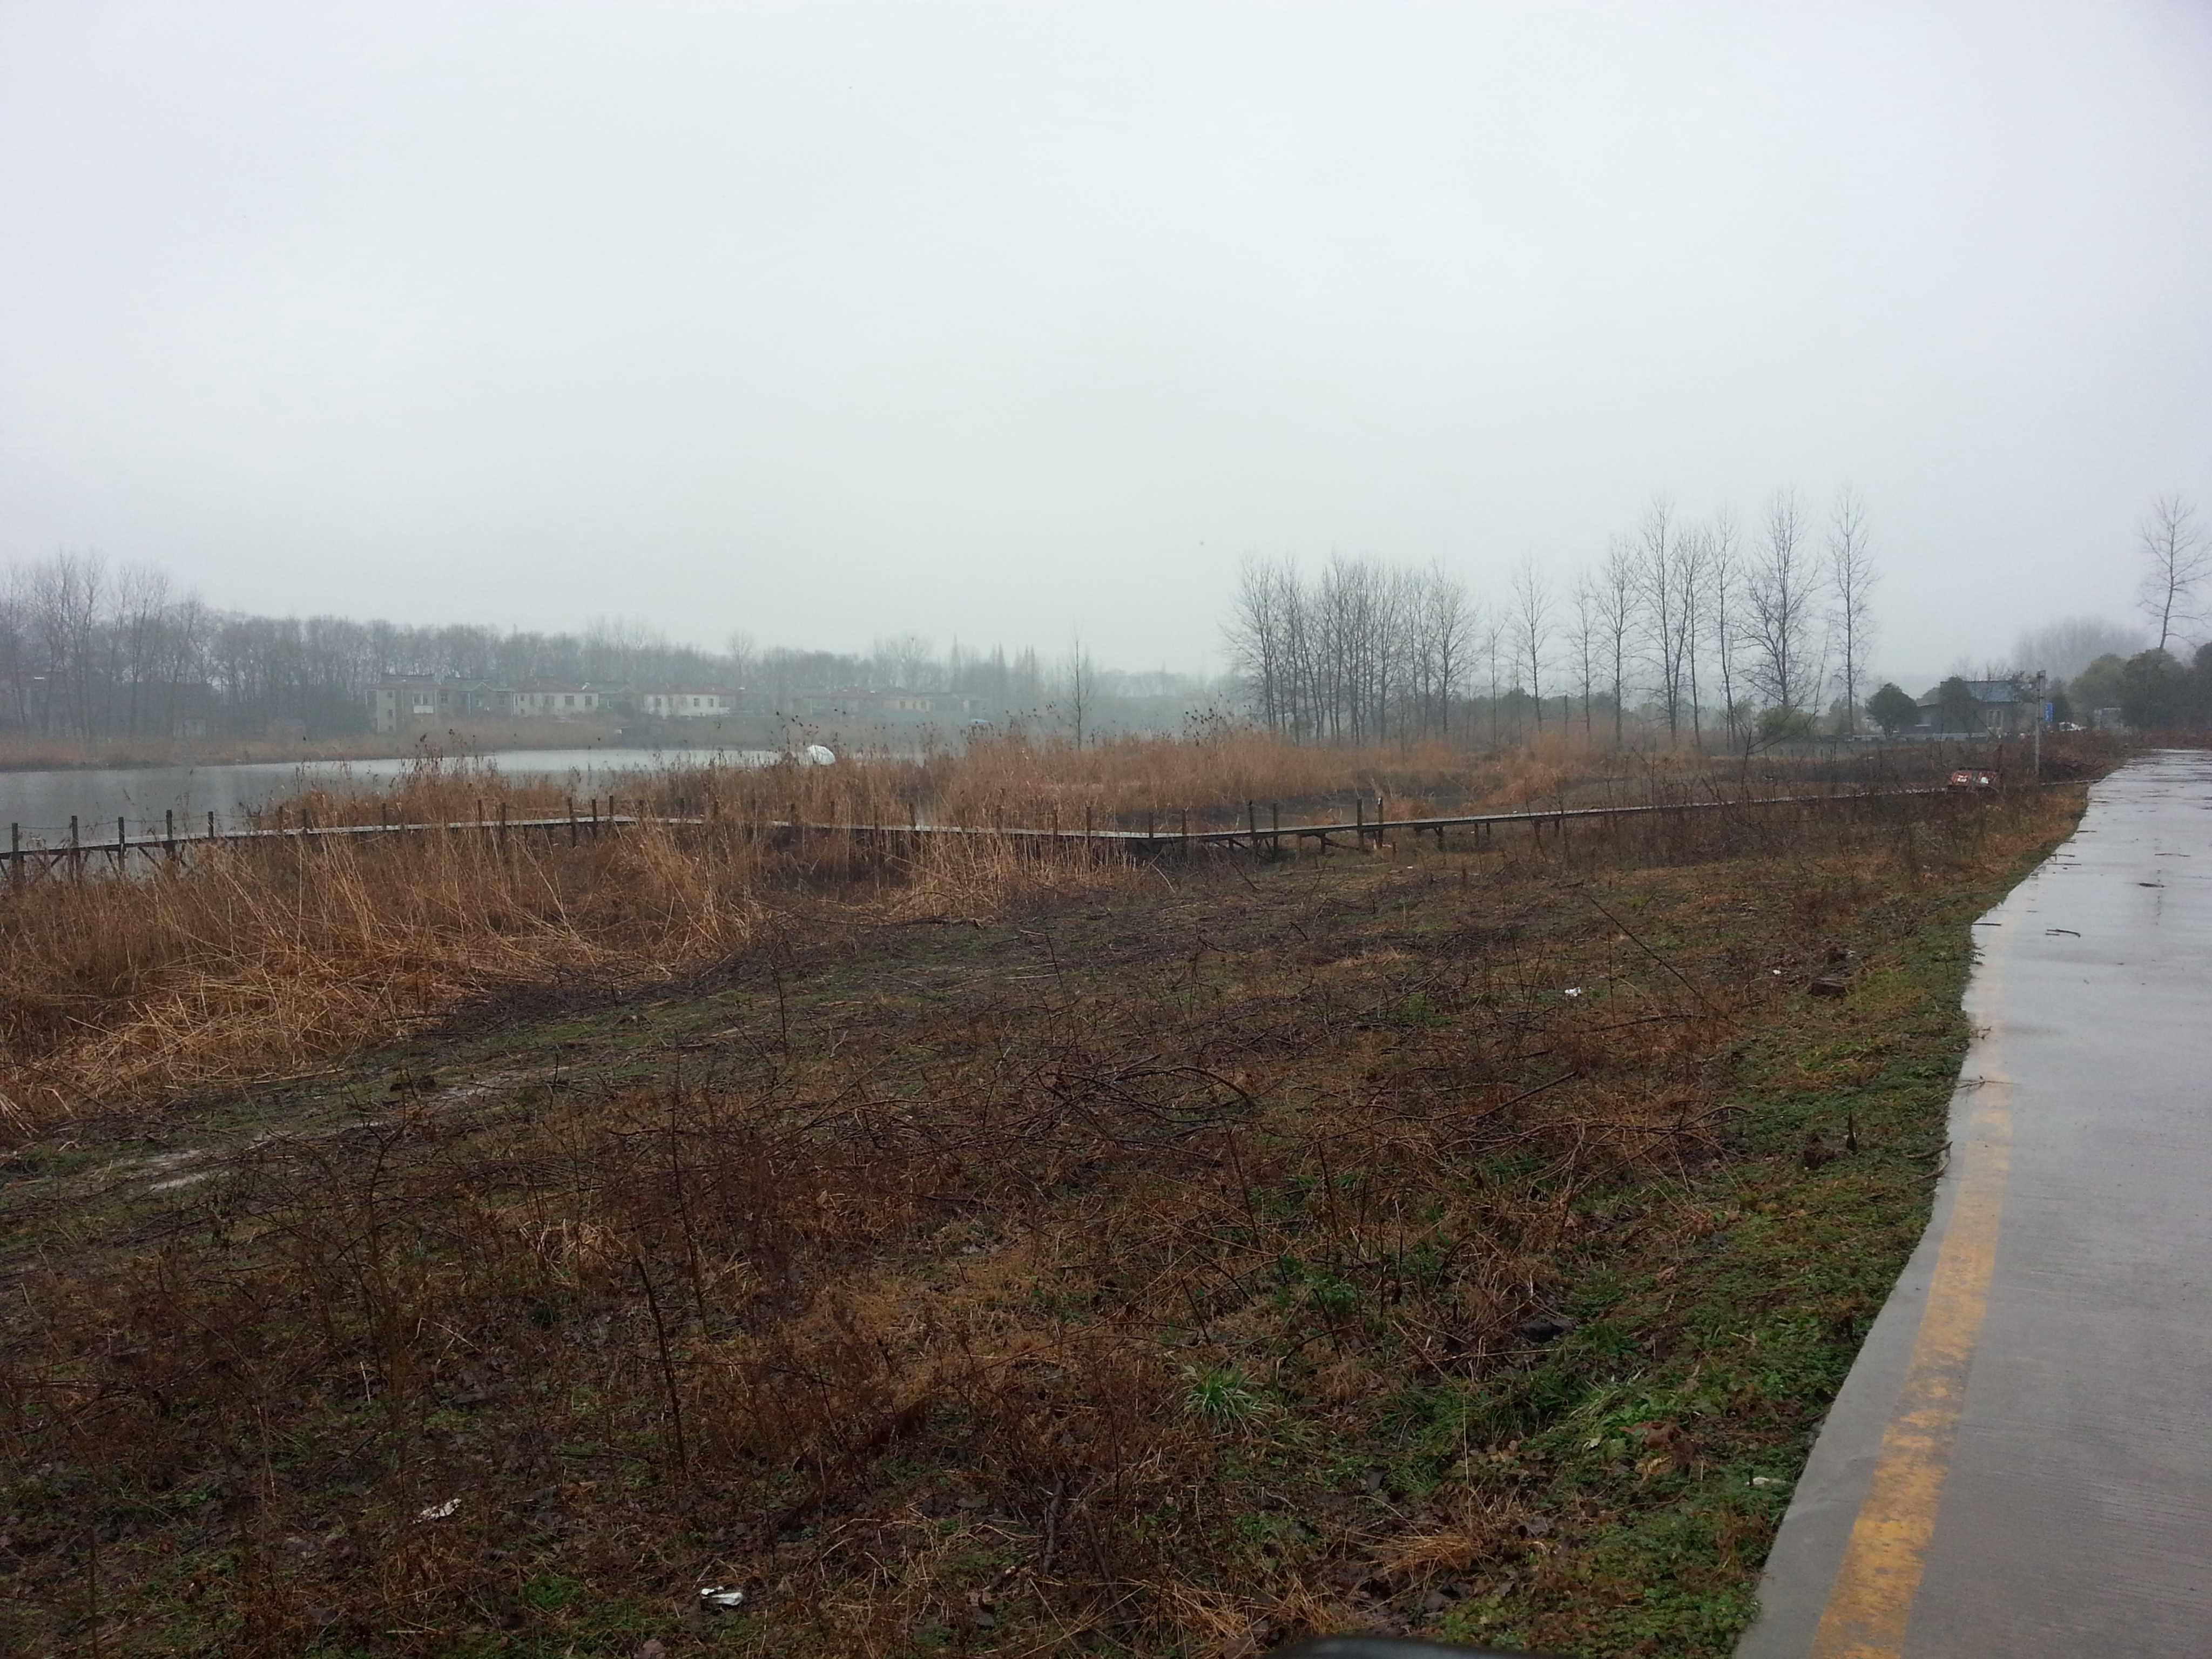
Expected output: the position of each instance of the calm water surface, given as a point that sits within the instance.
(41, 803)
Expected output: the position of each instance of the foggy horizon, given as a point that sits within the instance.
(823, 323)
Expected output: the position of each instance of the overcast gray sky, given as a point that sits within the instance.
(827, 321)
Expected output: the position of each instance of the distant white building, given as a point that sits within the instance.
(687, 705)
(555, 699)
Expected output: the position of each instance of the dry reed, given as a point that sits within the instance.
(251, 960)
(1135, 782)
(254, 959)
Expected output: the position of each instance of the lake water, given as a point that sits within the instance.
(41, 803)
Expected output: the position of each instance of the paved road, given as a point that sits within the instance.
(2020, 1462)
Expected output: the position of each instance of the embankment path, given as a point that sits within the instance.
(2020, 1462)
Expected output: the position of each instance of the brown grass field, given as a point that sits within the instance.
(249, 964)
(983, 1252)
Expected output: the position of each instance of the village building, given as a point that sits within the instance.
(402, 701)
(554, 700)
(2002, 708)
(687, 705)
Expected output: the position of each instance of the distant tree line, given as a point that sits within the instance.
(1695, 624)
(2154, 690)
(93, 652)
(2166, 686)
(1696, 627)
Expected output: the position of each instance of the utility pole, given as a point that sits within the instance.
(2035, 774)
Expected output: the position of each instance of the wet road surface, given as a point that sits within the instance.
(2020, 1461)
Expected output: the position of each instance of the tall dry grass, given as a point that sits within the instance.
(245, 961)
(264, 959)
(1132, 782)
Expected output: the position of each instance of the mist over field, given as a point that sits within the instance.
(832, 324)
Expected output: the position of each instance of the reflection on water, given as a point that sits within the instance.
(41, 803)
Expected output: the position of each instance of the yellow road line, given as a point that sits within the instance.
(1871, 1601)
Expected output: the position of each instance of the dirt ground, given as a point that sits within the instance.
(1459, 1239)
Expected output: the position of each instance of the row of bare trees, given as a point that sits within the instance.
(83, 649)
(1363, 652)
(90, 652)
(1692, 625)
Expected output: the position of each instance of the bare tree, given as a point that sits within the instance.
(1447, 636)
(1850, 586)
(1493, 641)
(1589, 627)
(15, 650)
(183, 666)
(744, 658)
(1255, 634)
(1532, 628)
(67, 594)
(1724, 583)
(2179, 561)
(1692, 563)
(1616, 616)
(1779, 610)
(141, 605)
(1081, 677)
(1395, 626)
(1665, 607)
(903, 661)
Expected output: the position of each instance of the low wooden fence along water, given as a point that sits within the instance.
(30, 861)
